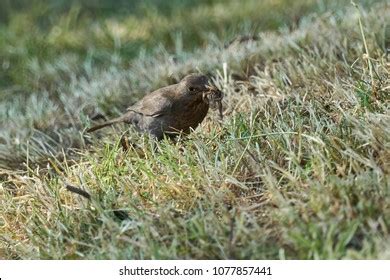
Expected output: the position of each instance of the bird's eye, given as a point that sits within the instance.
(192, 89)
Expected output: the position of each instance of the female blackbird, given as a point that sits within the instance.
(171, 109)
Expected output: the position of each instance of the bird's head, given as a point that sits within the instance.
(194, 84)
(197, 87)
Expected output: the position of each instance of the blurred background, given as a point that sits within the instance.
(33, 31)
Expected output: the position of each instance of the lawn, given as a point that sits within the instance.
(299, 168)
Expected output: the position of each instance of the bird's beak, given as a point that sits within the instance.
(213, 93)
(211, 88)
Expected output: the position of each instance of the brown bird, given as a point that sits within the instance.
(171, 109)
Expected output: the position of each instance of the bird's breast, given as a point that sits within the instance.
(190, 115)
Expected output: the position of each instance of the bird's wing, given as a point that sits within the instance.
(156, 103)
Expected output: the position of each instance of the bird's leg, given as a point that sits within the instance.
(125, 143)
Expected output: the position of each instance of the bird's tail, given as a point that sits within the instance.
(110, 122)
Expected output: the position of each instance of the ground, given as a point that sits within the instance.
(298, 169)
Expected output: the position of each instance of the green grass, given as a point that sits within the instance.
(299, 168)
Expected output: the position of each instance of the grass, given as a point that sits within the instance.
(299, 168)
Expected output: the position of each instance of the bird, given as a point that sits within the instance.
(171, 110)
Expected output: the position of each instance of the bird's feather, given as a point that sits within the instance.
(156, 103)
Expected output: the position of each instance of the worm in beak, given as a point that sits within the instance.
(214, 97)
